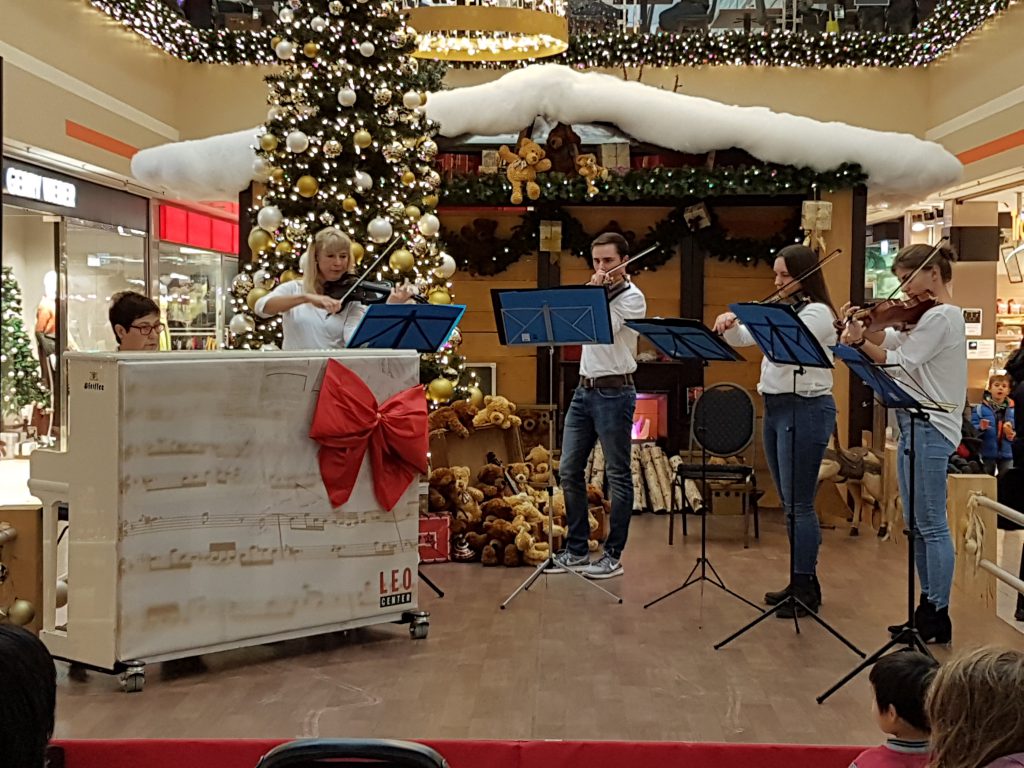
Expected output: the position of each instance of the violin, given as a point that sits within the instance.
(351, 288)
(894, 313)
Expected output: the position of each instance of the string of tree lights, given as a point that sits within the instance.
(345, 144)
(479, 251)
(659, 185)
(944, 29)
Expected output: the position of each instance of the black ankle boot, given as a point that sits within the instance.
(923, 612)
(936, 626)
(774, 598)
(803, 590)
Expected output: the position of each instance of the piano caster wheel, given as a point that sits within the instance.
(419, 623)
(133, 679)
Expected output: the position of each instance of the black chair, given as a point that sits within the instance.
(385, 753)
(722, 426)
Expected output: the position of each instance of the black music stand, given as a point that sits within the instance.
(421, 327)
(684, 339)
(785, 340)
(891, 394)
(424, 328)
(551, 317)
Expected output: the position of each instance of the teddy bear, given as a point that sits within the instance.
(466, 412)
(498, 411)
(588, 168)
(523, 167)
(490, 480)
(520, 472)
(561, 148)
(540, 458)
(465, 498)
(456, 418)
(490, 553)
(441, 488)
(497, 509)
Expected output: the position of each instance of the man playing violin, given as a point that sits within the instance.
(930, 355)
(302, 303)
(602, 409)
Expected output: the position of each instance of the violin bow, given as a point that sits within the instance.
(376, 263)
(629, 261)
(777, 294)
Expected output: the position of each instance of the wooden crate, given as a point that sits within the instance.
(448, 450)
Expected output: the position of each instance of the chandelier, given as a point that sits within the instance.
(489, 30)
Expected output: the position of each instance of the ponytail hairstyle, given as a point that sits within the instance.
(911, 257)
(326, 237)
(799, 259)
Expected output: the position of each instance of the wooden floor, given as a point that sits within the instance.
(563, 662)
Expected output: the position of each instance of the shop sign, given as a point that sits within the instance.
(22, 183)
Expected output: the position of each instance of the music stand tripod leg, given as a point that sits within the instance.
(429, 583)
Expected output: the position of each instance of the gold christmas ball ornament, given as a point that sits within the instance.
(362, 138)
(307, 186)
(440, 390)
(259, 240)
(413, 212)
(284, 248)
(289, 275)
(255, 295)
(402, 261)
(476, 397)
(423, 98)
(427, 150)
(437, 296)
(21, 612)
(409, 178)
(396, 210)
(349, 204)
(357, 252)
(268, 142)
(311, 49)
(274, 42)
(430, 201)
(277, 175)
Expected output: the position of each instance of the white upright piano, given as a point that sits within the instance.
(198, 520)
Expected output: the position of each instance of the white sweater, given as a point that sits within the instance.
(933, 355)
(778, 379)
(309, 327)
(619, 357)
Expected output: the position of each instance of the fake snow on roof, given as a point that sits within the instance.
(901, 168)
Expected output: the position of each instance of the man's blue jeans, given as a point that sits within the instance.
(796, 477)
(933, 544)
(606, 415)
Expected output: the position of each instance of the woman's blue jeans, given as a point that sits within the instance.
(933, 544)
(607, 415)
(794, 465)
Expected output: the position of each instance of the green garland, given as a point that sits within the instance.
(944, 29)
(477, 250)
(653, 185)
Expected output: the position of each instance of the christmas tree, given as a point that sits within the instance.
(21, 383)
(345, 144)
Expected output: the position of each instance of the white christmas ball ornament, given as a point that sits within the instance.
(269, 217)
(411, 99)
(241, 323)
(285, 50)
(319, 23)
(287, 15)
(261, 169)
(446, 267)
(346, 97)
(367, 49)
(274, 113)
(297, 141)
(379, 230)
(364, 181)
(429, 224)
(261, 278)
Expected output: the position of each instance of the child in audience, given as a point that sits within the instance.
(994, 419)
(976, 710)
(900, 683)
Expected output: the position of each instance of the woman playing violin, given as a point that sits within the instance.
(303, 304)
(932, 355)
(810, 406)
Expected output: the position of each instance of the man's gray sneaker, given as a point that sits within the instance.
(607, 567)
(567, 561)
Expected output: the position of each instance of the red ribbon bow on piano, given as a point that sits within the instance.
(348, 422)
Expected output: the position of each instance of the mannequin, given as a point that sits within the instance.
(46, 312)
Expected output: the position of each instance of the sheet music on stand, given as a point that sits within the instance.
(892, 392)
(781, 334)
(570, 315)
(422, 327)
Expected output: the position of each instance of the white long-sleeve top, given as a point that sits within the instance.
(778, 379)
(933, 355)
(309, 327)
(619, 357)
